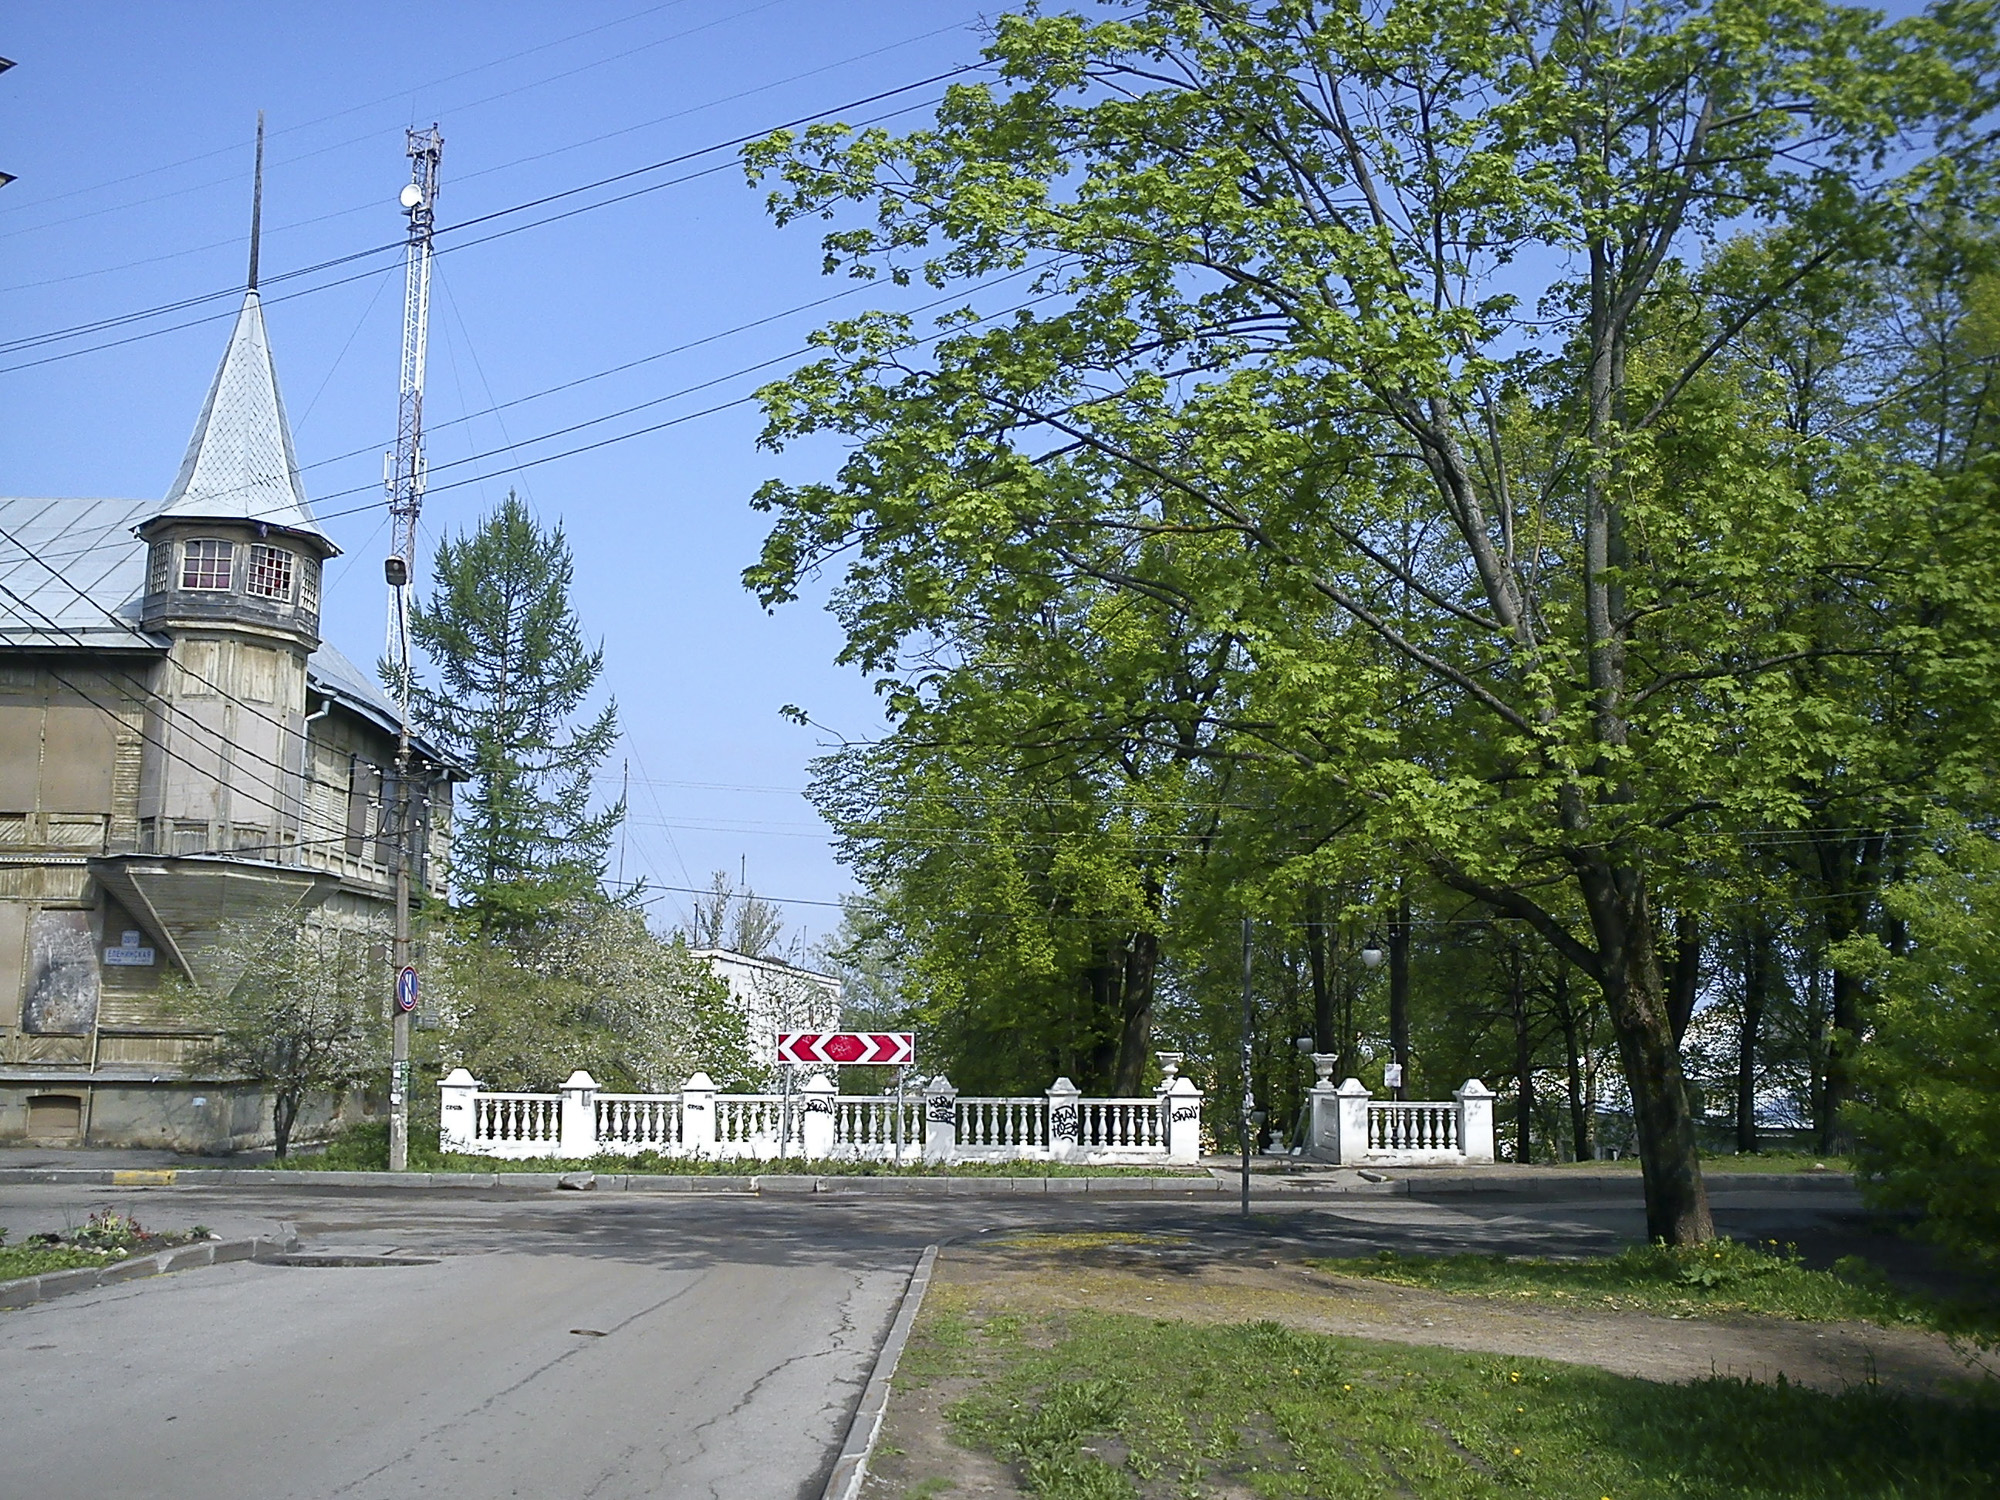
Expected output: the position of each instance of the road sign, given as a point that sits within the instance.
(406, 990)
(898, 1049)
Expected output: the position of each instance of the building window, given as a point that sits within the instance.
(270, 572)
(159, 567)
(205, 565)
(309, 585)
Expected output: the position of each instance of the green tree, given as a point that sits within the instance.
(291, 1003)
(513, 670)
(589, 986)
(1383, 340)
(1929, 1070)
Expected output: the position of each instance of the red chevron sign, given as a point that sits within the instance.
(896, 1048)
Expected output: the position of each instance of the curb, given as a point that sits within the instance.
(850, 1470)
(788, 1184)
(26, 1291)
(1214, 1183)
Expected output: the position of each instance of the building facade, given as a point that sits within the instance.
(179, 749)
(774, 996)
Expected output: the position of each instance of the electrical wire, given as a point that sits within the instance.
(351, 109)
(464, 177)
(81, 330)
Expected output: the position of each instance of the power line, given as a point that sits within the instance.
(506, 166)
(81, 330)
(338, 114)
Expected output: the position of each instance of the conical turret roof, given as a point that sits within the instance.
(240, 465)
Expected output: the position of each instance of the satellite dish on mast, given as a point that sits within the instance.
(412, 195)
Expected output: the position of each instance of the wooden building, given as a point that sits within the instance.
(178, 749)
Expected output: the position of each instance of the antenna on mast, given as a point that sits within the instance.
(404, 471)
(404, 477)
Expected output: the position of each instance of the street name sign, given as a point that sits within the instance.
(897, 1049)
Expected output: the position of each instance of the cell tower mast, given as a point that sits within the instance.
(404, 471)
(404, 478)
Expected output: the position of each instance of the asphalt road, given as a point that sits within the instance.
(589, 1345)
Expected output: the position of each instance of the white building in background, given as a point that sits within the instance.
(775, 996)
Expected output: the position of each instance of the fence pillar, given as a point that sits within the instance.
(456, 1124)
(940, 1120)
(1182, 1102)
(1065, 1121)
(1475, 1121)
(579, 1116)
(698, 1115)
(1353, 1113)
(816, 1118)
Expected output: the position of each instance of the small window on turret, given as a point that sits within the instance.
(270, 572)
(309, 586)
(205, 565)
(159, 567)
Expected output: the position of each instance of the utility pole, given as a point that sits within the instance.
(404, 479)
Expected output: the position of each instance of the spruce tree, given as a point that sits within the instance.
(513, 670)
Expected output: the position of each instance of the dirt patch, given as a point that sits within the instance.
(1162, 1284)
(1163, 1280)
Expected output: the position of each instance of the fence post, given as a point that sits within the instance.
(698, 1115)
(940, 1120)
(1475, 1121)
(579, 1116)
(1182, 1102)
(816, 1118)
(1351, 1110)
(456, 1124)
(1065, 1121)
(1323, 1110)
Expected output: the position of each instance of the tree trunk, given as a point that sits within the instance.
(1676, 1198)
(1399, 992)
(284, 1114)
(1135, 1039)
(1842, 1040)
(1581, 1143)
(1524, 1060)
(1324, 1027)
(1685, 986)
(1757, 968)
(1102, 982)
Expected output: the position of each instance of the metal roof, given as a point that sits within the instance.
(240, 464)
(72, 573)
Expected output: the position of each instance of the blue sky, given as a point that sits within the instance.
(130, 128)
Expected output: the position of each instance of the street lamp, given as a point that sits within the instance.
(1371, 952)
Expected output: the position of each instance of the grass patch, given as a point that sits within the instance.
(32, 1260)
(1107, 1406)
(1722, 1277)
(365, 1148)
(103, 1239)
(1730, 1161)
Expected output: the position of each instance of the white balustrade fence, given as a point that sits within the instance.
(816, 1123)
(631, 1123)
(1353, 1129)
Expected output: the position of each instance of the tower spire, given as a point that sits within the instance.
(257, 202)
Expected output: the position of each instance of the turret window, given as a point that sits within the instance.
(159, 567)
(309, 585)
(206, 565)
(270, 572)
